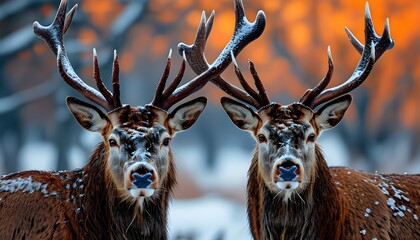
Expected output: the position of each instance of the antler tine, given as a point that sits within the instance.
(53, 36)
(374, 47)
(311, 93)
(261, 97)
(98, 80)
(258, 83)
(161, 86)
(370, 35)
(195, 52)
(248, 89)
(116, 81)
(177, 80)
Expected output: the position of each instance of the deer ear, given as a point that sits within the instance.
(87, 115)
(184, 116)
(331, 113)
(241, 115)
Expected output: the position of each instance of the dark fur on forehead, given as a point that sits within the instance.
(134, 117)
(294, 112)
(281, 130)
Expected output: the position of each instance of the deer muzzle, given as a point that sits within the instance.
(141, 179)
(287, 173)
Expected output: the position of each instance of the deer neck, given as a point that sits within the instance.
(301, 216)
(123, 219)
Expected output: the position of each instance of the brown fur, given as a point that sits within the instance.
(341, 203)
(322, 202)
(86, 206)
(96, 201)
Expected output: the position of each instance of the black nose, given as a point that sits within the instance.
(288, 171)
(143, 169)
(142, 181)
(143, 176)
(288, 164)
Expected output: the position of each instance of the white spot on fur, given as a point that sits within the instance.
(401, 214)
(142, 192)
(287, 185)
(405, 198)
(367, 212)
(391, 203)
(25, 185)
(395, 208)
(385, 191)
(397, 192)
(363, 232)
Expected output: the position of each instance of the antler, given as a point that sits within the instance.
(370, 53)
(244, 33)
(53, 36)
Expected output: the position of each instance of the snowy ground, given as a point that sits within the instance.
(209, 217)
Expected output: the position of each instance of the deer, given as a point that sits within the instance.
(291, 191)
(124, 189)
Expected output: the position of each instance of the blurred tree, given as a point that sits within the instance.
(290, 57)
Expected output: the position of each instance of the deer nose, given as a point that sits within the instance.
(143, 176)
(287, 171)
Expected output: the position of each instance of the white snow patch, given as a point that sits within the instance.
(228, 174)
(385, 191)
(391, 203)
(25, 185)
(207, 218)
(399, 213)
(405, 198)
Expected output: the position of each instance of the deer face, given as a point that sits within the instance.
(137, 142)
(286, 138)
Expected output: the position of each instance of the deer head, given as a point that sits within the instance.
(137, 139)
(286, 135)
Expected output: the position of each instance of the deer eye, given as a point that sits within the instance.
(311, 137)
(113, 143)
(262, 138)
(166, 142)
